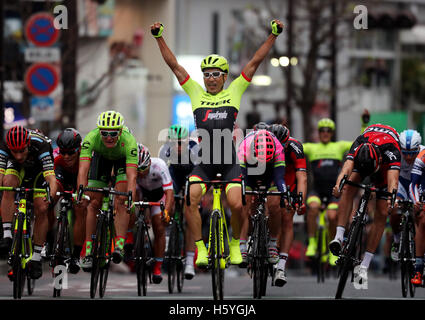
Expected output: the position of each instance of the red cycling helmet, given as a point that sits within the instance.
(367, 159)
(17, 138)
(264, 146)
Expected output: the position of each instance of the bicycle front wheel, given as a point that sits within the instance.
(171, 257)
(18, 271)
(105, 258)
(141, 261)
(217, 272)
(96, 254)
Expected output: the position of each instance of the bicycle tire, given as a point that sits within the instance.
(171, 257)
(320, 264)
(256, 268)
(412, 254)
(404, 259)
(105, 258)
(349, 252)
(180, 252)
(94, 277)
(264, 266)
(58, 253)
(217, 273)
(30, 285)
(140, 261)
(18, 271)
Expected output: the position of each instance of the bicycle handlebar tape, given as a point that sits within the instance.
(276, 29)
(157, 32)
(80, 193)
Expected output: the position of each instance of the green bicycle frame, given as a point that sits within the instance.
(218, 206)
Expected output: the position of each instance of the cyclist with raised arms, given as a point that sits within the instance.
(109, 147)
(181, 155)
(66, 164)
(374, 154)
(416, 189)
(27, 160)
(215, 111)
(154, 184)
(326, 159)
(296, 181)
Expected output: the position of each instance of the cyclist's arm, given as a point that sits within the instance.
(301, 177)
(83, 171)
(169, 57)
(347, 169)
(53, 184)
(260, 54)
(278, 178)
(392, 177)
(131, 173)
(169, 200)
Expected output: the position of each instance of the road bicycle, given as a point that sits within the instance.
(142, 251)
(258, 253)
(62, 245)
(176, 255)
(104, 237)
(22, 247)
(352, 248)
(218, 239)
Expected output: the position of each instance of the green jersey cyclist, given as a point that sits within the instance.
(109, 147)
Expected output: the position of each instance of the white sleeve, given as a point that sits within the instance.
(167, 182)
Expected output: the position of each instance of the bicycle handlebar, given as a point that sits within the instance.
(69, 194)
(370, 188)
(106, 191)
(146, 204)
(29, 190)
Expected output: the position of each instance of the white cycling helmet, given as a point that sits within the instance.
(410, 140)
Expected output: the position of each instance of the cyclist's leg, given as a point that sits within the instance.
(12, 178)
(331, 213)
(159, 241)
(275, 217)
(345, 207)
(41, 225)
(192, 215)
(313, 208)
(246, 211)
(286, 237)
(98, 177)
(122, 218)
(234, 200)
(395, 217)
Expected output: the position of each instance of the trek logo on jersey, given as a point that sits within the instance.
(209, 103)
(215, 115)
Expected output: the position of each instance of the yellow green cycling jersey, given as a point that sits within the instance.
(325, 160)
(126, 147)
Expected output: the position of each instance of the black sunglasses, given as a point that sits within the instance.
(325, 130)
(112, 134)
(68, 152)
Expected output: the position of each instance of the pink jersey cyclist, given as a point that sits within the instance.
(273, 171)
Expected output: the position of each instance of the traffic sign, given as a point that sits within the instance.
(41, 79)
(42, 108)
(36, 54)
(40, 29)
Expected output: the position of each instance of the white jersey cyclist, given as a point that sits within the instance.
(153, 186)
(410, 143)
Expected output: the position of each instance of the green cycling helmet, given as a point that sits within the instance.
(215, 61)
(110, 120)
(326, 123)
(177, 132)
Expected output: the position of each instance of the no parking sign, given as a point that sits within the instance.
(40, 30)
(41, 79)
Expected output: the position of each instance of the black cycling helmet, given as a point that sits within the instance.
(367, 159)
(280, 131)
(69, 139)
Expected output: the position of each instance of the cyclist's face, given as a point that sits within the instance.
(20, 155)
(110, 141)
(409, 157)
(325, 134)
(70, 159)
(212, 84)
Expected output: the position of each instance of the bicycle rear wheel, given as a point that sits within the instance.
(256, 259)
(141, 260)
(171, 257)
(264, 265)
(217, 272)
(180, 252)
(58, 253)
(412, 253)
